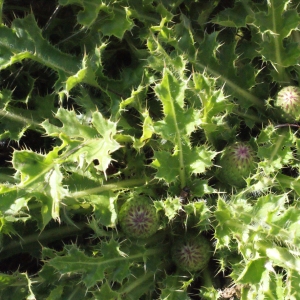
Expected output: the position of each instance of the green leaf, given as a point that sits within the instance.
(115, 21)
(86, 74)
(171, 207)
(275, 26)
(172, 288)
(55, 189)
(24, 41)
(148, 131)
(56, 293)
(177, 122)
(138, 284)
(223, 230)
(189, 161)
(90, 11)
(279, 256)
(16, 120)
(275, 149)
(17, 286)
(269, 204)
(287, 182)
(106, 292)
(104, 208)
(111, 262)
(120, 270)
(293, 289)
(30, 164)
(167, 166)
(238, 16)
(92, 268)
(85, 143)
(42, 174)
(220, 62)
(177, 125)
(253, 271)
(118, 22)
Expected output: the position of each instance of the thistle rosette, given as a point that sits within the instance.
(192, 253)
(237, 162)
(138, 218)
(288, 99)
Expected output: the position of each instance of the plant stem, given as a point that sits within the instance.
(118, 185)
(50, 235)
(1, 10)
(19, 118)
(206, 276)
(138, 282)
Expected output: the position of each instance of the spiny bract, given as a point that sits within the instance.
(288, 99)
(192, 253)
(138, 218)
(237, 162)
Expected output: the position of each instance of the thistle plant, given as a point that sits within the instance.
(115, 178)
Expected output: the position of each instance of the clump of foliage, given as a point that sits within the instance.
(106, 101)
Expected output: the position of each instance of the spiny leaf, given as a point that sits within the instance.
(172, 288)
(111, 27)
(220, 61)
(106, 292)
(22, 290)
(288, 183)
(190, 161)
(85, 143)
(277, 24)
(293, 278)
(93, 269)
(12, 199)
(238, 16)
(253, 271)
(89, 13)
(171, 207)
(41, 172)
(29, 43)
(116, 20)
(275, 149)
(104, 207)
(280, 256)
(30, 164)
(171, 93)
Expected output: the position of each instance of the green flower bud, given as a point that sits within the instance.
(237, 162)
(288, 99)
(192, 253)
(138, 218)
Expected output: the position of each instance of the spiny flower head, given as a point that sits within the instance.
(192, 253)
(237, 162)
(288, 99)
(138, 218)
